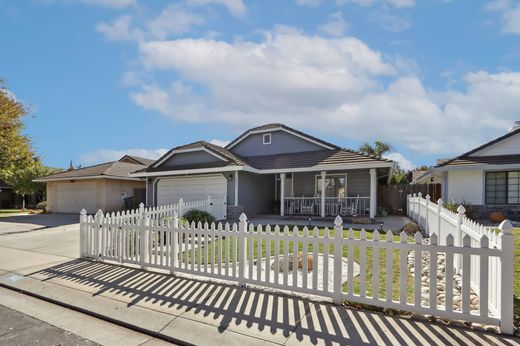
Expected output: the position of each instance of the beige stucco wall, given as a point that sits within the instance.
(108, 192)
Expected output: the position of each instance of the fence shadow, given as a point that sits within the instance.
(255, 312)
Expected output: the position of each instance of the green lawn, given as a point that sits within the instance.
(12, 212)
(381, 274)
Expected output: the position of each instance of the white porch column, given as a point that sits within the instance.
(236, 188)
(282, 193)
(323, 175)
(373, 193)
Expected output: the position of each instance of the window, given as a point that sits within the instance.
(335, 185)
(267, 138)
(503, 187)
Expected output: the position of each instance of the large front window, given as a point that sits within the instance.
(503, 187)
(335, 185)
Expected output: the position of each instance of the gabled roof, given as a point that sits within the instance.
(137, 159)
(281, 127)
(222, 153)
(467, 159)
(120, 169)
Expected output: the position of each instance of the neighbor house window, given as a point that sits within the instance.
(335, 185)
(267, 138)
(503, 187)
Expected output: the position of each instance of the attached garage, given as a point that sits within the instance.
(105, 186)
(191, 188)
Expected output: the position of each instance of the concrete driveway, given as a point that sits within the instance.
(40, 235)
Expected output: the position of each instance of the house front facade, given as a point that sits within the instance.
(487, 177)
(270, 169)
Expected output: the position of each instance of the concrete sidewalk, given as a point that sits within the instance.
(203, 313)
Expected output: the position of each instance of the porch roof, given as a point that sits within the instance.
(319, 158)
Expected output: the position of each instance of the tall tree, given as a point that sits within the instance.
(15, 147)
(378, 149)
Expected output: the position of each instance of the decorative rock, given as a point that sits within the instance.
(497, 217)
(410, 228)
(281, 264)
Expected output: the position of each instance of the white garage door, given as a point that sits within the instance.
(72, 197)
(196, 188)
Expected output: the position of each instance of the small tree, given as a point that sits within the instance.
(378, 149)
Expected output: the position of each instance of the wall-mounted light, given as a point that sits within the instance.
(72, 180)
(230, 177)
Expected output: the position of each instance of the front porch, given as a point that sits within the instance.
(327, 193)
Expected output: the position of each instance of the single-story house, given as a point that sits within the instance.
(104, 186)
(269, 169)
(487, 177)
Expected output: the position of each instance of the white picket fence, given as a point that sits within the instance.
(214, 206)
(490, 279)
(237, 253)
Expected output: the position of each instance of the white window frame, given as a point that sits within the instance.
(317, 176)
(266, 135)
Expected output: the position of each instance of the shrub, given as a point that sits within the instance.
(197, 216)
(42, 206)
(453, 206)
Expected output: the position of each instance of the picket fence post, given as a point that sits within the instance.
(338, 257)
(82, 231)
(414, 207)
(175, 234)
(507, 275)
(426, 225)
(419, 197)
(144, 220)
(97, 229)
(440, 203)
(242, 229)
(181, 207)
(458, 236)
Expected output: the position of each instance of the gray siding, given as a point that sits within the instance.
(281, 142)
(358, 182)
(256, 193)
(194, 157)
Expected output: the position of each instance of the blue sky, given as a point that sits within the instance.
(107, 77)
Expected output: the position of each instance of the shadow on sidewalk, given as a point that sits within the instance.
(255, 312)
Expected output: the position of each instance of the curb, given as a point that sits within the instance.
(117, 322)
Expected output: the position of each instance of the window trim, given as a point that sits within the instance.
(266, 135)
(317, 176)
(506, 189)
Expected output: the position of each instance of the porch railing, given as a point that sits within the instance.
(351, 206)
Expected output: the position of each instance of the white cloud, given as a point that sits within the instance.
(219, 142)
(327, 85)
(309, 3)
(119, 29)
(509, 14)
(107, 155)
(403, 162)
(110, 3)
(390, 21)
(173, 19)
(395, 3)
(335, 26)
(235, 7)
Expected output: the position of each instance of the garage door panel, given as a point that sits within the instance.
(72, 197)
(170, 190)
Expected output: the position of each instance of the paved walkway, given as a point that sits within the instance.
(188, 310)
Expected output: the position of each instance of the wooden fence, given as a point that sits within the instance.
(340, 264)
(393, 197)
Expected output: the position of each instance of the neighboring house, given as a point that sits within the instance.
(269, 169)
(103, 186)
(487, 177)
(6, 196)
